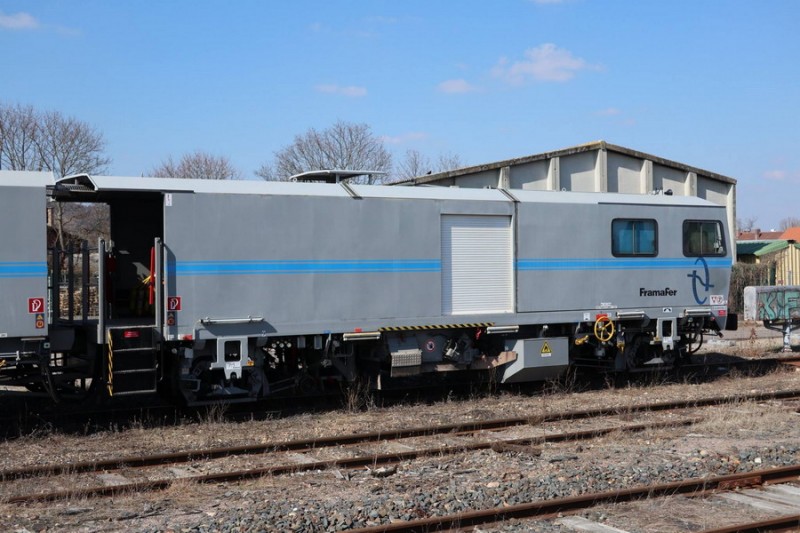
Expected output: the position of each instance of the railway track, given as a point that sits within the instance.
(550, 509)
(378, 436)
(360, 458)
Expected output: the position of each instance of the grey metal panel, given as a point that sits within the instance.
(120, 183)
(282, 188)
(537, 359)
(430, 193)
(304, 264)
(310, 264)
(582, 273)
(477, 208)
(24, 178)
(23, 254)
(554, 197)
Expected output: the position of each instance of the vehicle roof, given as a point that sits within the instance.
(110, 184)
(25, 178)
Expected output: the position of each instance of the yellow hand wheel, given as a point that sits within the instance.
(604, 328)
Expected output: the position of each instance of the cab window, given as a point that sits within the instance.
(703, 238)
(634, 237)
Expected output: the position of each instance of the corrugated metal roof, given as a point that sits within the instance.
(759, 248)
(774, 246)
(750, 247)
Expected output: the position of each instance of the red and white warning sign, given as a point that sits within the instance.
(173, 303)
(35, 305)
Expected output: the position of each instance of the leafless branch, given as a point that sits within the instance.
(197, 165)
(343, 146)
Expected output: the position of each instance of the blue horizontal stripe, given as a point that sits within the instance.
(221, 268)
(226, 268)
(625, 263)
(23, 270)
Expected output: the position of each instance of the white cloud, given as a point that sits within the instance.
(608, 112)
(18, 21)
(405, 137)
(775, 175)
(546, 62)
(349, 90)
(456, 86)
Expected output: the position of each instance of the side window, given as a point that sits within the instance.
(630, 237)
(703, 237)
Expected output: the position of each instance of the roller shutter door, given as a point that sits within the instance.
(477, 261)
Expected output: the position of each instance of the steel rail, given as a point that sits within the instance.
(360, 438)
(551, 508)
(348, 463)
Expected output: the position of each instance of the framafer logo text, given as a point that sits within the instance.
(657, 292)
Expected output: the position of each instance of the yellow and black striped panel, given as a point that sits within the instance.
(439, 326)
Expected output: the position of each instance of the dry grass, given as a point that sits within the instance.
(182, 493)
(358, 397)
(674, 514)
(747, 419)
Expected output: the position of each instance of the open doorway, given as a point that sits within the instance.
(128, 223)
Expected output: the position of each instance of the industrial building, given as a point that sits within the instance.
(595, 167)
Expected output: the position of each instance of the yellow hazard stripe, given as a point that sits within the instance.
(439, 326)
(110, 380)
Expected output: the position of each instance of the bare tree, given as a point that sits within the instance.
(416, 164)
(343, 146)
(18, 131)
(32, 140)
(197, 165)
(448, 161)
(83, 221)
(68, 146)
(746, 224)
(49, 141)
(789, 222)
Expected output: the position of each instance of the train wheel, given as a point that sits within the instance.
(632, 352)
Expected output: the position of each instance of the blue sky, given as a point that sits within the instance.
(710, 83)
